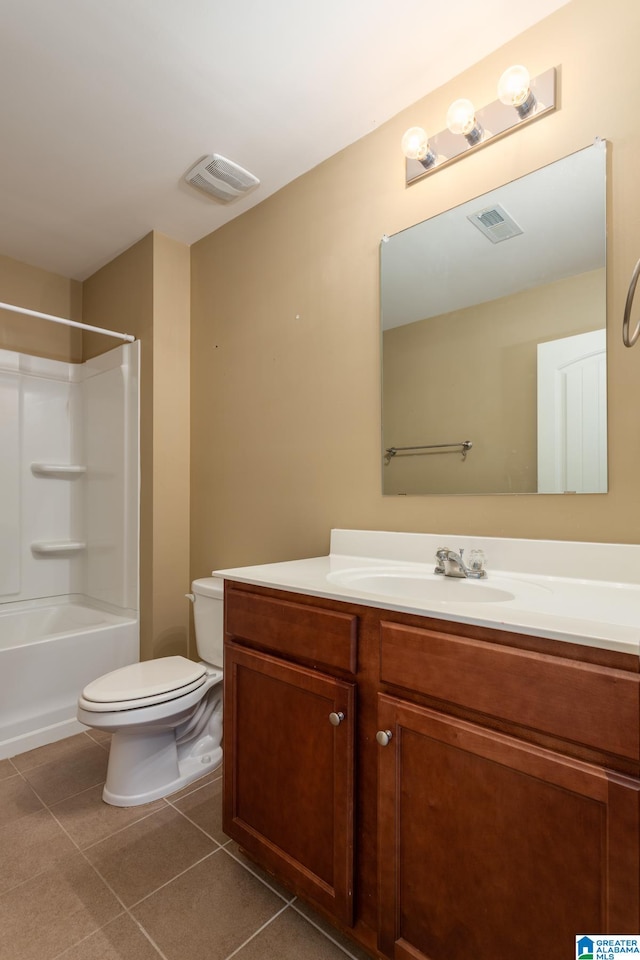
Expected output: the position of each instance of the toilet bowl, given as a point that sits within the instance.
(165, 715)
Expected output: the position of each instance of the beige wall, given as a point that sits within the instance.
(472, 375)
(171, 447)
(36, 289)
(285, 335)
(145, 291)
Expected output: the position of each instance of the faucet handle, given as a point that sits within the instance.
(441, 556)
(478, 562)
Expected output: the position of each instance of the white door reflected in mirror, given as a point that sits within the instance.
(572, 414)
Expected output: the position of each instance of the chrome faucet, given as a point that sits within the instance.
(451, 564)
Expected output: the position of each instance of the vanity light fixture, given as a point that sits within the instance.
(520, 100)
(514, 90)
(415, 144)
(461, 118)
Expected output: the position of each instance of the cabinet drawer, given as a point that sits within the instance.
(587, 704)
(297, 630)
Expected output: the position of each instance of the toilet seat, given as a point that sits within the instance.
(143, 684)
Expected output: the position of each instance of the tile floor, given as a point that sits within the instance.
(81, 880)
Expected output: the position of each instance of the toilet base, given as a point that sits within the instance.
(143, 768)
(159, 748)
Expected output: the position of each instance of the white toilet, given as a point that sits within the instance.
(165, 715)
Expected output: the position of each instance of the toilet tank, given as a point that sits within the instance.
(207, 613)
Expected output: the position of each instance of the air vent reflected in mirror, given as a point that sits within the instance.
(495, 223)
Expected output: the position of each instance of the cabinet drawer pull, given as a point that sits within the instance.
(383, 737)
(336, 718)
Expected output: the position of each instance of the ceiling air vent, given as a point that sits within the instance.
(221, 178)
(495, 223)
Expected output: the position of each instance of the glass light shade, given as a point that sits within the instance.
(461, 117)
(415, 143)
(513, 86)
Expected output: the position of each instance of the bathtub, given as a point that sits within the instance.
(49, 650)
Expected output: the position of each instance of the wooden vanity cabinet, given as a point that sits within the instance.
(488, 844)
(488, 841)
(289, 753)
(498, 809)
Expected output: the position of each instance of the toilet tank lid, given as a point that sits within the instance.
(209, 587)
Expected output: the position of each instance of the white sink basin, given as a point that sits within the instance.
(426, 586)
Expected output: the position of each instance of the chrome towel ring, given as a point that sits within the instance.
(626, 339)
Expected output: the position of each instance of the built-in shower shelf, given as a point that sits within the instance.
(62, 471)
(57, 548)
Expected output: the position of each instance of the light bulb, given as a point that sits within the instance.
(461, 118)
(415, 146)
(514, 90)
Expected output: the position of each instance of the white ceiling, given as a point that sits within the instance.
(107, 103)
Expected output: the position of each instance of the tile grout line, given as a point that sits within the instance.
(90, 742)
(82, 853)
(290, 903)
(190, 793)
(168, 803)
(49, 809)
(320, 930)
(194, 824)
(45, 809)
(125, 908)
(15, 773)
(256, 875)
(115, 833)
(148, 936)
(72, 796)
(84, 940)
(13, 767)
(91, 786)
(211, 853)
(106, 882)
(60, 956)
(105, 742)
(223, 846)
(259, 930)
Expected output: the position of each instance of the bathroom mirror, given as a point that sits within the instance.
(494, 340)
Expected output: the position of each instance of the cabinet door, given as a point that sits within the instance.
(288, 773)
(492, 848)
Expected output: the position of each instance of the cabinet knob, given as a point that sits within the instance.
(383, 737)
(336, 718)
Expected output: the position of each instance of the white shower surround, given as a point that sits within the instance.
(69, 547)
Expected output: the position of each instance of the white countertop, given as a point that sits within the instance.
(579, 592)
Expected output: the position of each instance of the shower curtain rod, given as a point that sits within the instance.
(67, 323)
